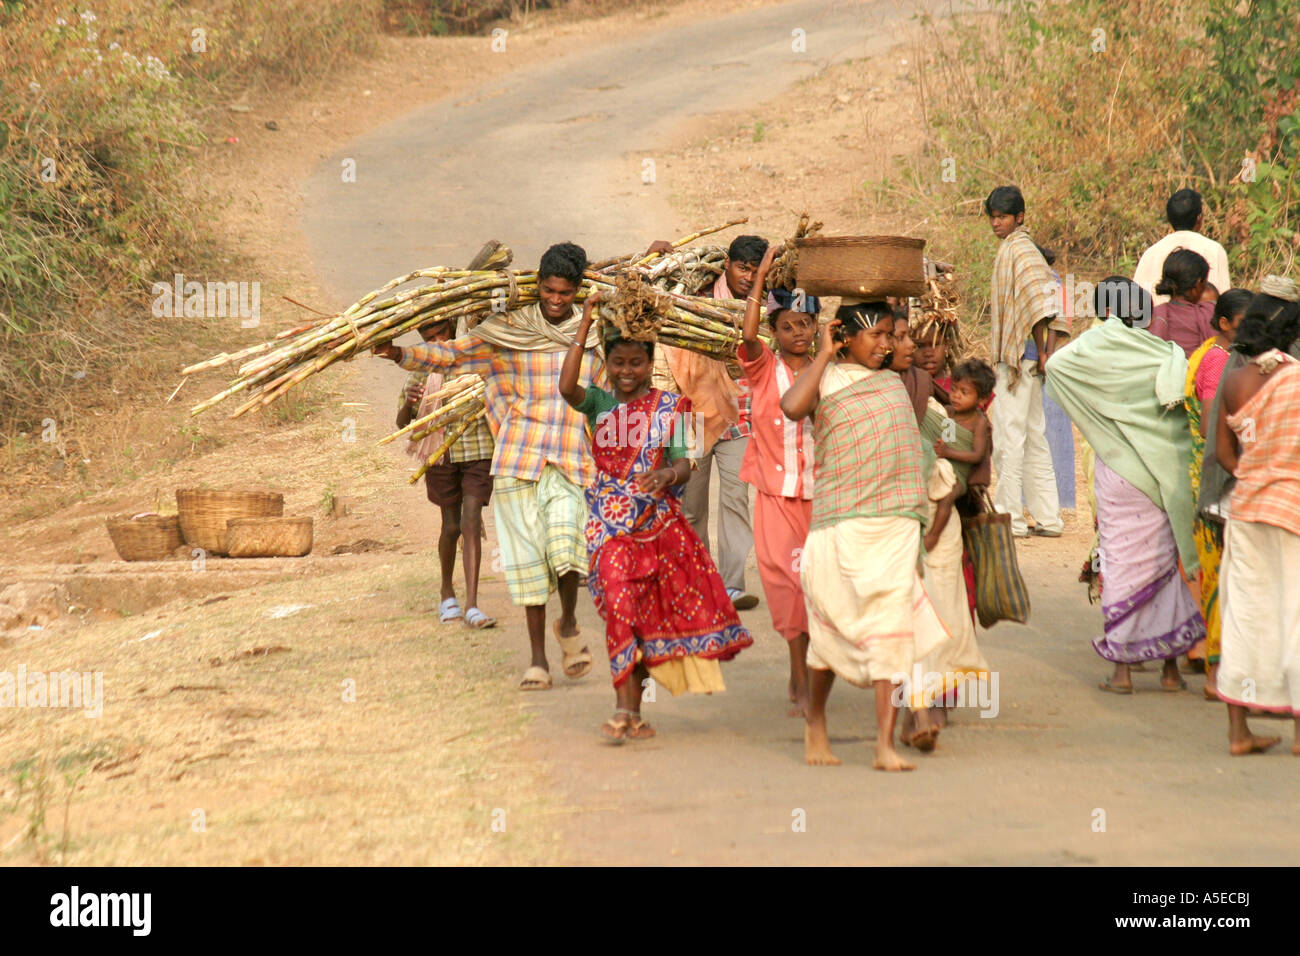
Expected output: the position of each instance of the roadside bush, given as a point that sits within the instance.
(100, 120)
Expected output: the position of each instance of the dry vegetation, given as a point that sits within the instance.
(258, 727)
(1097, 128)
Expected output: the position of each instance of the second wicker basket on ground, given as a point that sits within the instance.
(147, 537)
(268, 537)
(204, 514)
(866, 267)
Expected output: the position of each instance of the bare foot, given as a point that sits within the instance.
(817, 747)
(917, 730)
(1253, 744)
(888, 759)
(939, 717)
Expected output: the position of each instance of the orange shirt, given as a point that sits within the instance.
(779, 458)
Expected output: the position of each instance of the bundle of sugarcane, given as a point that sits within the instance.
(446, 294)
(939, 309)
(373, 321)
(462, 397)
(686, 271)
(782, 274)
(641, 311)
(463, 402)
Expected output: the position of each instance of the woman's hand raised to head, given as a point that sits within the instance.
(388, 350)
(827, 341)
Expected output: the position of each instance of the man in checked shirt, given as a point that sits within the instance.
(541, 463)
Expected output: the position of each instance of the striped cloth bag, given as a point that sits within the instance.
(1000, 592)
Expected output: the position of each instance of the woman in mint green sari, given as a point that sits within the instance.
(1123, 388)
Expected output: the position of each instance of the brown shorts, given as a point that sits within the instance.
(447, 483)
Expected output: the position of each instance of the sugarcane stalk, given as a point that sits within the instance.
(434, 418)
(472, 409)
(453, 435)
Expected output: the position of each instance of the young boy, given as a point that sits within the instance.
(1025, 314)
(542, 462)
(460, 484)
(722, 410)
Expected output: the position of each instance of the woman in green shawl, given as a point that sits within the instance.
(1123, 388)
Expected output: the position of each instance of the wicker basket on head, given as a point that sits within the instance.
(268, 537)
(867, 267)
(204, 514)
(145, 537)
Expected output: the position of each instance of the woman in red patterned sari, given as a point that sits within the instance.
(666, 611)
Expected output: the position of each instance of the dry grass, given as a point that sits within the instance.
(234, 717)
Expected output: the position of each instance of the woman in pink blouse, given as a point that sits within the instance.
(779, 464)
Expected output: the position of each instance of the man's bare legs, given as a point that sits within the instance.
(798, 687)
(447, 539)
(1240, 740)
(887, 757)
(535, 614)
(472, 525)
(568, 588)
(536, 617)
(816, 740)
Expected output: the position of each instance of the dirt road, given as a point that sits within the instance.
(1062, 775)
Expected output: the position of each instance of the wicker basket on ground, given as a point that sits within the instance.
(204, 514)
(866, 267)
(268, 537)
(147, 537)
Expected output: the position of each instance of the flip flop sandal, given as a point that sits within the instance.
(449, 610)
(1106, 685)
(477, 619)
(615, 730)
(638, 729)
(577, 663)
(535, 678)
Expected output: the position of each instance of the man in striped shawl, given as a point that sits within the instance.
(1025, 323)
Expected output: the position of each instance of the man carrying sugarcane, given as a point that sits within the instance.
(459, 483)
(721, 406)
(541, 463)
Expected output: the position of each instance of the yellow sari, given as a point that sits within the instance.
(1208, 535)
